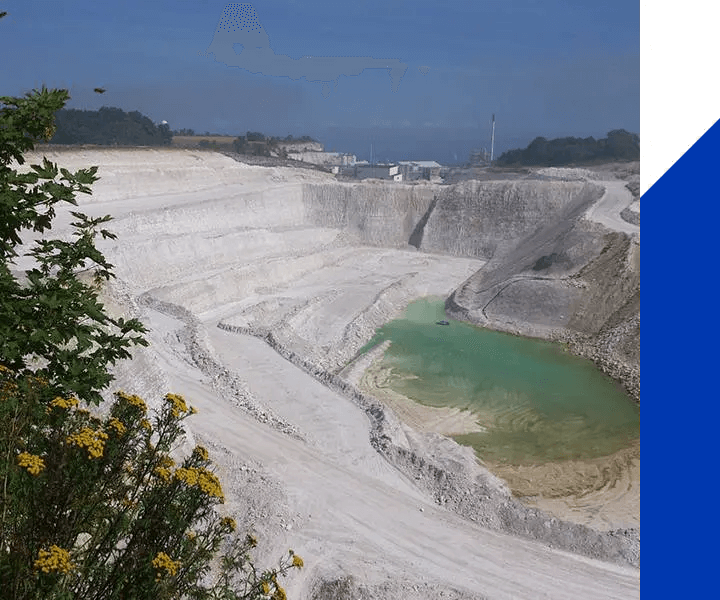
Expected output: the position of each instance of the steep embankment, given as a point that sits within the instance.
(572, 274)
(480, 218)
(315, 465)
(377, 214)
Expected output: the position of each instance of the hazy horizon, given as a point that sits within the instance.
(544, 69)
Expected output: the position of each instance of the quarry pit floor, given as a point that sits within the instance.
(208, 241)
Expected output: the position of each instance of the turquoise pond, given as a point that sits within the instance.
(536, 402)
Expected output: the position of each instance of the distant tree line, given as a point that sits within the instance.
(258, 144)
(109, 126)
(619, 145)
(292, 139)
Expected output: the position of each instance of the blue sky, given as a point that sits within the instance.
(550, 67)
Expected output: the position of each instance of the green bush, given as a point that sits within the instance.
(95, 507)
(52, 317)
(92, 506)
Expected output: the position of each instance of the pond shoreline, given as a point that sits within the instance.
(601, 492)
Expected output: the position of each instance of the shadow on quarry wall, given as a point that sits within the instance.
(375, 214)
(417, 235)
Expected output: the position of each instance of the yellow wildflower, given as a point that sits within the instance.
(252, 540)
(210, 484)
(202, 478)
(93, 441)
(162, 562)
(279, 593)
(60, 402)
(229, 523)
(201, 452)
(265, 587)
(193, 410)
(167, 462)
(188, 476)
(33, 463)
(145, 424)
(133, 400)
(297, 562)
(163, 473)
(117, 425)
(178, 404)
(54, 560)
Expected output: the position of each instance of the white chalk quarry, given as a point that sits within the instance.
(299, 270)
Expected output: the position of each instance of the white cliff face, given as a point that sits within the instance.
(299, 270)
(375, 214)
(475, 218)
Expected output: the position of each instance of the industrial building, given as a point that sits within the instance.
(365, 170)
(419, 169)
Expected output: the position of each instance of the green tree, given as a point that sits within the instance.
(51, 318)
(619, 145)
(92, 505)
(109, 126)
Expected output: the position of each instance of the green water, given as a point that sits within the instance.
(537, 402)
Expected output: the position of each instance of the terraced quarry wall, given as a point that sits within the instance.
(469, 219)
(213, 231)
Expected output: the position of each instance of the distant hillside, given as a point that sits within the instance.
(618, 145)
(108, 126)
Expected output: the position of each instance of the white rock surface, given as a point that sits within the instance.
(216, 240)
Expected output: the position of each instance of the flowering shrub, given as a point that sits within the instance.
(54, 560)
(92, 506)
(96, 507)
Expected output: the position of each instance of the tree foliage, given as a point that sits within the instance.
(255, 143)
(109, 126)
(51, 318)
(618, 145)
